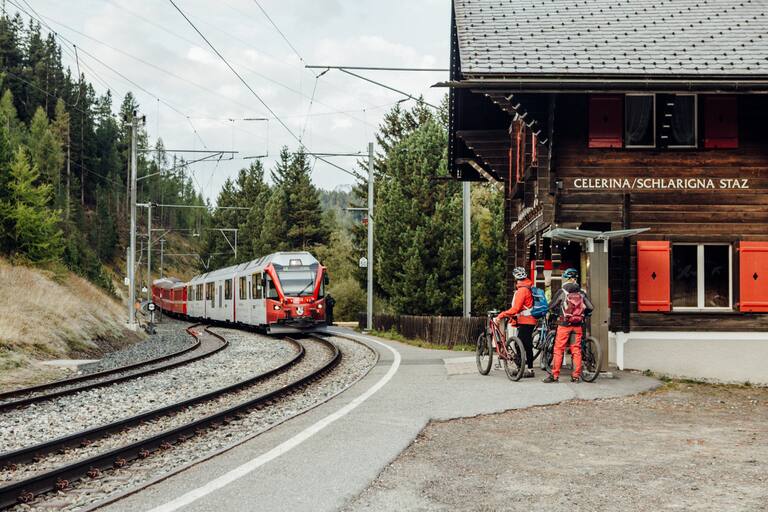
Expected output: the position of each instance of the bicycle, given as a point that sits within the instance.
(509, 351)
(591, 353)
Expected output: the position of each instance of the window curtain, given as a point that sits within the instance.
(639, 117)
(683, 130)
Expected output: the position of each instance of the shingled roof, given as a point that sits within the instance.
(651, 38)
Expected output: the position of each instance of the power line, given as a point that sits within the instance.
(279, 31)
(255, 94)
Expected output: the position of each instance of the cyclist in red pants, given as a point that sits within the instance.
(572, 306)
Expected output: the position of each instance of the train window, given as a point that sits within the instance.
(211, 293)
(257, 286)
(190, 293)
(219, 295)
(227, 290)
(243, 289)
(199, 293)
(271, 289)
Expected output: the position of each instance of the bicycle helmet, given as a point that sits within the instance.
(571, 273)
(519, 273)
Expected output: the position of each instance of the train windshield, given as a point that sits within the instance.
(297, 282)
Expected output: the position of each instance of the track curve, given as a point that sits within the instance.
(60, 478)
(73, 385)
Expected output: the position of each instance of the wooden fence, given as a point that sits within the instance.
(438, 330)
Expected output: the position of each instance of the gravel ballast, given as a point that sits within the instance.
(356, 361)
(170, 337)
(247, 355)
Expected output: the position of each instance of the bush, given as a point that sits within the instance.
(350, 299)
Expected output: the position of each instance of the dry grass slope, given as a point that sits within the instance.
(43, 316)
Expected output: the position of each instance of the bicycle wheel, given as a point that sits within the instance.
(484, 353)
(514, 363)
(591, 359)
(548, 352)
(537, 343)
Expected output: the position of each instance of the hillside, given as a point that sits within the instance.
(49, 316)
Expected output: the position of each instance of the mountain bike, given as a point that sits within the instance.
(510, 351)
(591, 354)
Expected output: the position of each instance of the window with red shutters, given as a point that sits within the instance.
(721, 129)
(753, 277)
(606, 123)
(653, 276)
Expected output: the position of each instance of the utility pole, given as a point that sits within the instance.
(369, 210)
(369, 322)
(68, 170)
(132, 252)
(148, 206)
(466, 199)
(162, 247)
(149, 250)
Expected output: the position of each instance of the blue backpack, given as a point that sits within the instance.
(540, 304)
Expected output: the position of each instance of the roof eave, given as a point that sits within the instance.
(584, 83)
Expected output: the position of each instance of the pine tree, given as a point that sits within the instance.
(306, 228)
(45, 150)
(35, 227)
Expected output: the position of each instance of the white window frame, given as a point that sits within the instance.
(653, 121)
(700, 285)
(695, 123)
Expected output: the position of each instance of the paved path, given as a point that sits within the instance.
(317, 470)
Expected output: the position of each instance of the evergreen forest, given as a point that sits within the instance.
(64, 174)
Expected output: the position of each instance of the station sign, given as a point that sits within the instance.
(645, 183)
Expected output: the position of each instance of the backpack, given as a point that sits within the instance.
(540, 304)
(574, 308)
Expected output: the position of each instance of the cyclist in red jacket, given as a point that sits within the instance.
(520, 312)
(572, 306)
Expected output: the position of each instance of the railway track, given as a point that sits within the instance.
(35, 394)
(61, 477)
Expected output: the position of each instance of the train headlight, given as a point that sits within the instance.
(319, 306)
(276, 307)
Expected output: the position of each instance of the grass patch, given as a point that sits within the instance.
(396, 336)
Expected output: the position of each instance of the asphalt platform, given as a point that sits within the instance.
(322, 459)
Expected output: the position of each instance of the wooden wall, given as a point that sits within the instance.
(676, 215)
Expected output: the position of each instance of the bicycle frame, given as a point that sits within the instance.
(499, 338)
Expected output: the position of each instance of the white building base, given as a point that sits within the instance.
(731, 357)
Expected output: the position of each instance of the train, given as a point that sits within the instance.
(277, 293)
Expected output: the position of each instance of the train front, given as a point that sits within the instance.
(298, 298)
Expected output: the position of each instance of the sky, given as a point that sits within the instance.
(203, 105)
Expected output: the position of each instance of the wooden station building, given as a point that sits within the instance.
(631, 139)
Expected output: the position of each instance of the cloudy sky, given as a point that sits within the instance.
(150, 43)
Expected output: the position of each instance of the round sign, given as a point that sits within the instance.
(151, 306)
(363, 262)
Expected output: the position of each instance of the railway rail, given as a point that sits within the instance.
(60, 478)
(26, 396)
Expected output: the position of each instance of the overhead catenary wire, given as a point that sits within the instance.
(279, 31)
(254, 93)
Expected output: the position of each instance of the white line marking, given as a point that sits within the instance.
(285, 446)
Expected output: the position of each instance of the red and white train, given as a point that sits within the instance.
(284, 291)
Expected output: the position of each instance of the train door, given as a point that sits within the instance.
(258, 304)
(241, 299)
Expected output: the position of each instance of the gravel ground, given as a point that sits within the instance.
(682, 447)
(356, 361)
(247, 355)
(170, 338)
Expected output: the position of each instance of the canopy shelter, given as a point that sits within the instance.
(597, 274)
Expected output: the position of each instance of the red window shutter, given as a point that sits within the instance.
(606, 124)
(721, 128)
(653, 276)
(753, 277)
